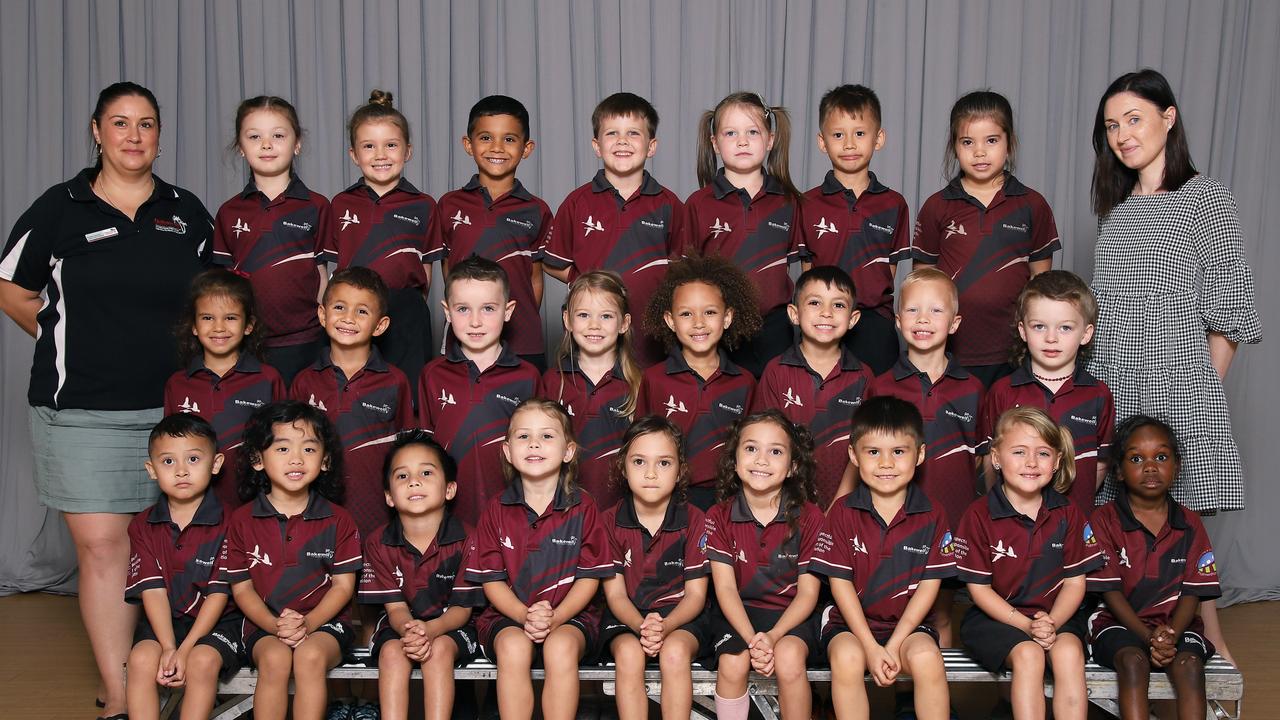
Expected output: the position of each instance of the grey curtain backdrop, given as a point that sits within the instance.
(1052, 59)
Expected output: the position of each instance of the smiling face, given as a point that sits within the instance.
(651, 467)
(763, 457)
(294, 459)
(1137, 130)
(183, 466)
(1025, 460)
(417, 484)
(352, 316)
(698, 316)
(380, 151)
(596, 322)
(825, 313)
(129, 134)
(886, 461)
(1054, 330)
(742, 139)
(982, 147)
(624, 144)
(1148, 466)
(497, 143)
(927, 315)
(220, 326)
(537, 445)
(477, 310)
(268, 143)
(850, 141)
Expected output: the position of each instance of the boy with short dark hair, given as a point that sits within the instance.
(854, 222)
(367, 398)
(885, 549)
(186, 636)
(818, 382)
(495, 217)
(621, 220)
(466, 396)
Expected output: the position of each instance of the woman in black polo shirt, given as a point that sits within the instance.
(112, 251)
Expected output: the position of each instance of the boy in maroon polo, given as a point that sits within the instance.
(495, 217)
(187, 635)
(885, 549)
(854, 222)
(622, 220)
(467, 395)
(818, 382)
(367, 399)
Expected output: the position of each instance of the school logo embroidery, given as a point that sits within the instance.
(673, 406)
(349, 218)
(411, 219)
(823, 227)
(189, 407)
(719, 227)
(590, 226)
(1000, 551)
(240, 227)
(460, 219)
(954, 228)
(948, 544)
(791, 398)
(702, 544)
(257, 556)
(1089, 538)
(569, 409)
(1206, 565)
(317, 404)
(859, 546)
(506, 542)
(399, 578)
(626, 558)
(742, 556)
(446, 398)
(173, 225)
(1124, 558)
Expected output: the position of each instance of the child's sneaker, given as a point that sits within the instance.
(338, 710)
(368, 711)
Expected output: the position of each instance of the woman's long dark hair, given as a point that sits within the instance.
(797, 489)
(1112, 181)
(258, 436)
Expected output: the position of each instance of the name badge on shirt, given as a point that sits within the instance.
(101, 234)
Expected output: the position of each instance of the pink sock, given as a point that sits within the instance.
(732, 709)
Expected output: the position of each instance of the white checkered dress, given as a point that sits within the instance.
(1169, 268)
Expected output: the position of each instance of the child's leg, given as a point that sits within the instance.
(393, 680)
(1026, 692)
(790, 666)
(203, 665)
(437, 679)
(633, 704)
(731, 686)
(922, 660)
(1213, 629)
(1186, 674)
(942, 616)
(1070, 698)
(561, 653)
(274, 660)
(141, 691)
(1133, 676)
(848, 677)
(514, 657)
(311, 662)
(677, 654)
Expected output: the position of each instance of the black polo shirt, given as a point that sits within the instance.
(1083, 404)
(767, 560)
(538, 556)
(599, 419)
(655, 567)
(950, 410)
(866, 236)
(114, 288)
(987, 251)
(278, 243)
(704, 410)
(1152, 571)
(429, 581)
(226, 402)
(758, 234)
(182, 561)
(885, 561)
(468, 411)
(1024, 560)
(507, 230)
(387, 233)
(824, 405)
(291, 561)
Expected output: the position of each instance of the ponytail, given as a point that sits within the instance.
(778, 161)
(706, 157)
(1066, 473)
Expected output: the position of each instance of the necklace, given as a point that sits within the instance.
(1044, 379)
(101, 187)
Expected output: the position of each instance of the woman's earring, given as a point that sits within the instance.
(159, 152)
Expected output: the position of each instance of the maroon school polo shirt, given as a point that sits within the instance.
(1024, 560)
(368, 409)
(884, 561)
(469, 411)
(767, 560)
(704, 410)
(538, 556)
(1152, 571)
(278, 243)
(599, 422)
(986, 250)
(824, 405)
(429, 581)
(291, 561)
(950, 410)
(507, 230)
(181, 561)
(387, 233)
(598, 229)
(756, 234)
(655, 567)
(226, 402)
(864, 236)
(1083, 404)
